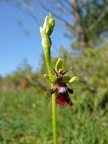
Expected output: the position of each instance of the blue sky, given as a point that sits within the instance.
(15, 46)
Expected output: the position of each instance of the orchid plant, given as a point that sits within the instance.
(58, 82)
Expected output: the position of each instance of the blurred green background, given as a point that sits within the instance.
(25, 100)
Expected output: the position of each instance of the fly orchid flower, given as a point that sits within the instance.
(60, 84)
(62, 88)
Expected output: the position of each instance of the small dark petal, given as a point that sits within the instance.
(70, 90)
(54, 89)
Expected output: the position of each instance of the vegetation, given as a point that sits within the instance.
(25, 115)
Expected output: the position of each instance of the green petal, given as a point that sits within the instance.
(59, 64)
(50, 78)
(73, 79)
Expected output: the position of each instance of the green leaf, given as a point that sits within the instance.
(50, 78)
(59, 64)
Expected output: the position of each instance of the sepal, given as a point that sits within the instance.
(67, 78)
(59, 64)
(73, 79)
(50, 78)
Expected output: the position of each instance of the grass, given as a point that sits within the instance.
(25, 118)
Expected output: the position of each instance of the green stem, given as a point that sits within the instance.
(54, 106)
(46, 43)
(54, 118)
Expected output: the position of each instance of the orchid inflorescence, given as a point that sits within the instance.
(58, 82)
